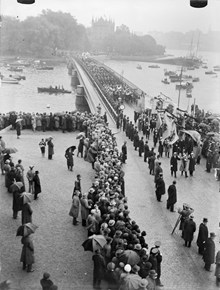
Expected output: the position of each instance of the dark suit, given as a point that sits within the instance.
(209, 253)
(172, 199)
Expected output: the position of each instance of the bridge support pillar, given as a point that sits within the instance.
(80, 96)
(74, 79)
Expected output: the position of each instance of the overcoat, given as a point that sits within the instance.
(189, 229)
(74, 210)
(192, 163)
(84, 208)
(37, 185)
(50, 147)
(174, 163)
(172, 199)
(217, 262)
(69, 158)
(27, 254)
(202, 235)
(160, 186)
(26, 214)
(209, 252)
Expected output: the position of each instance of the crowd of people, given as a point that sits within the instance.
(125, 254)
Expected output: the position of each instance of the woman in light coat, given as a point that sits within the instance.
(74, 211)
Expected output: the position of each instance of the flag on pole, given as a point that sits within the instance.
(159, 121)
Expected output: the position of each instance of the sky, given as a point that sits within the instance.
(140, 16)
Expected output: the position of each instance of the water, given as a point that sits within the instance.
(206, 92)
(24, 96)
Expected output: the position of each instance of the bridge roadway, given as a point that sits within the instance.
(93, 94)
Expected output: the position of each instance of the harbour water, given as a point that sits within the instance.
(24, 97)
(206, 92)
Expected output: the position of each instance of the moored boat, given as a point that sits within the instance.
(165, 81)
(9, 80)
(139, 66)
(210, 72)
(154, 66)
(52, 90)
(17, 77)
(15, 68)
(196, 79)
(184, 86)
(45, 67)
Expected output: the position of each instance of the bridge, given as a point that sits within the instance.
(92, 92)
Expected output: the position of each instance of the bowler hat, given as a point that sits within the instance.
(205, 220)
(46, 275)
(212, 235)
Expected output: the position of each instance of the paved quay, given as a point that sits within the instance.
(57, 242)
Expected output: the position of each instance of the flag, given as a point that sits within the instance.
(169, 126)
(174, 136)
(159, 121)
(194, 134)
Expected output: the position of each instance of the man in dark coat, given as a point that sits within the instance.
(209, 252)
(17, 204)
(124, 152)
(136, 140)
(50, 148)
(202, 236)
(37, 185)
(174, 164)
(146, 151)
(189, 229)
(172, 198)
(69, 159)
(141, 146)
(160, 187)
(158, 255)
(192, 164)
(99, 269)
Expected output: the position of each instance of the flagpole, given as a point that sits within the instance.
(180, 86)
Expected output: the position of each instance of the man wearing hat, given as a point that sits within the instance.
(209, 252)
(189, 229)
(99, 269)
(30, 176)
(155, 251)
(174, 164)
(151, 278)
(172, 198)
(202, 236)
(45, 282)
(160, 187)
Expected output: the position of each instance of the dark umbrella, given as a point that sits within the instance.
(72, 148)
(26, 229)
(94, 242)
(129, 257)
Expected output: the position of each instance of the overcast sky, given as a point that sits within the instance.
(139, 15)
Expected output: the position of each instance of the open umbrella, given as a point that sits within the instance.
(71, 147)
(6, 129)
(26, 229)
(10, 150)
(129, 257)
(27, 197)
(94, 242)
(80, 135)
(132, 282)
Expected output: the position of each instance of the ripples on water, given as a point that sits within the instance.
(24, 96)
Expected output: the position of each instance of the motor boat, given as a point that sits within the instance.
(9, 80)
(53, 90)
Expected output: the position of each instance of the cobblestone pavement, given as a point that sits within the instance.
(57, 242)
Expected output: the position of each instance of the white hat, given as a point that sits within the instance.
(127, 268)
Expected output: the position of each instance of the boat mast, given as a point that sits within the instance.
(197, 44)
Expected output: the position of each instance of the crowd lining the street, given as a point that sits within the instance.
(125, 254)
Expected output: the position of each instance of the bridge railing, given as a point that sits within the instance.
(99, 88)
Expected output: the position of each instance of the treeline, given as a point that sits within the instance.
(42, 35)
(56, 31)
